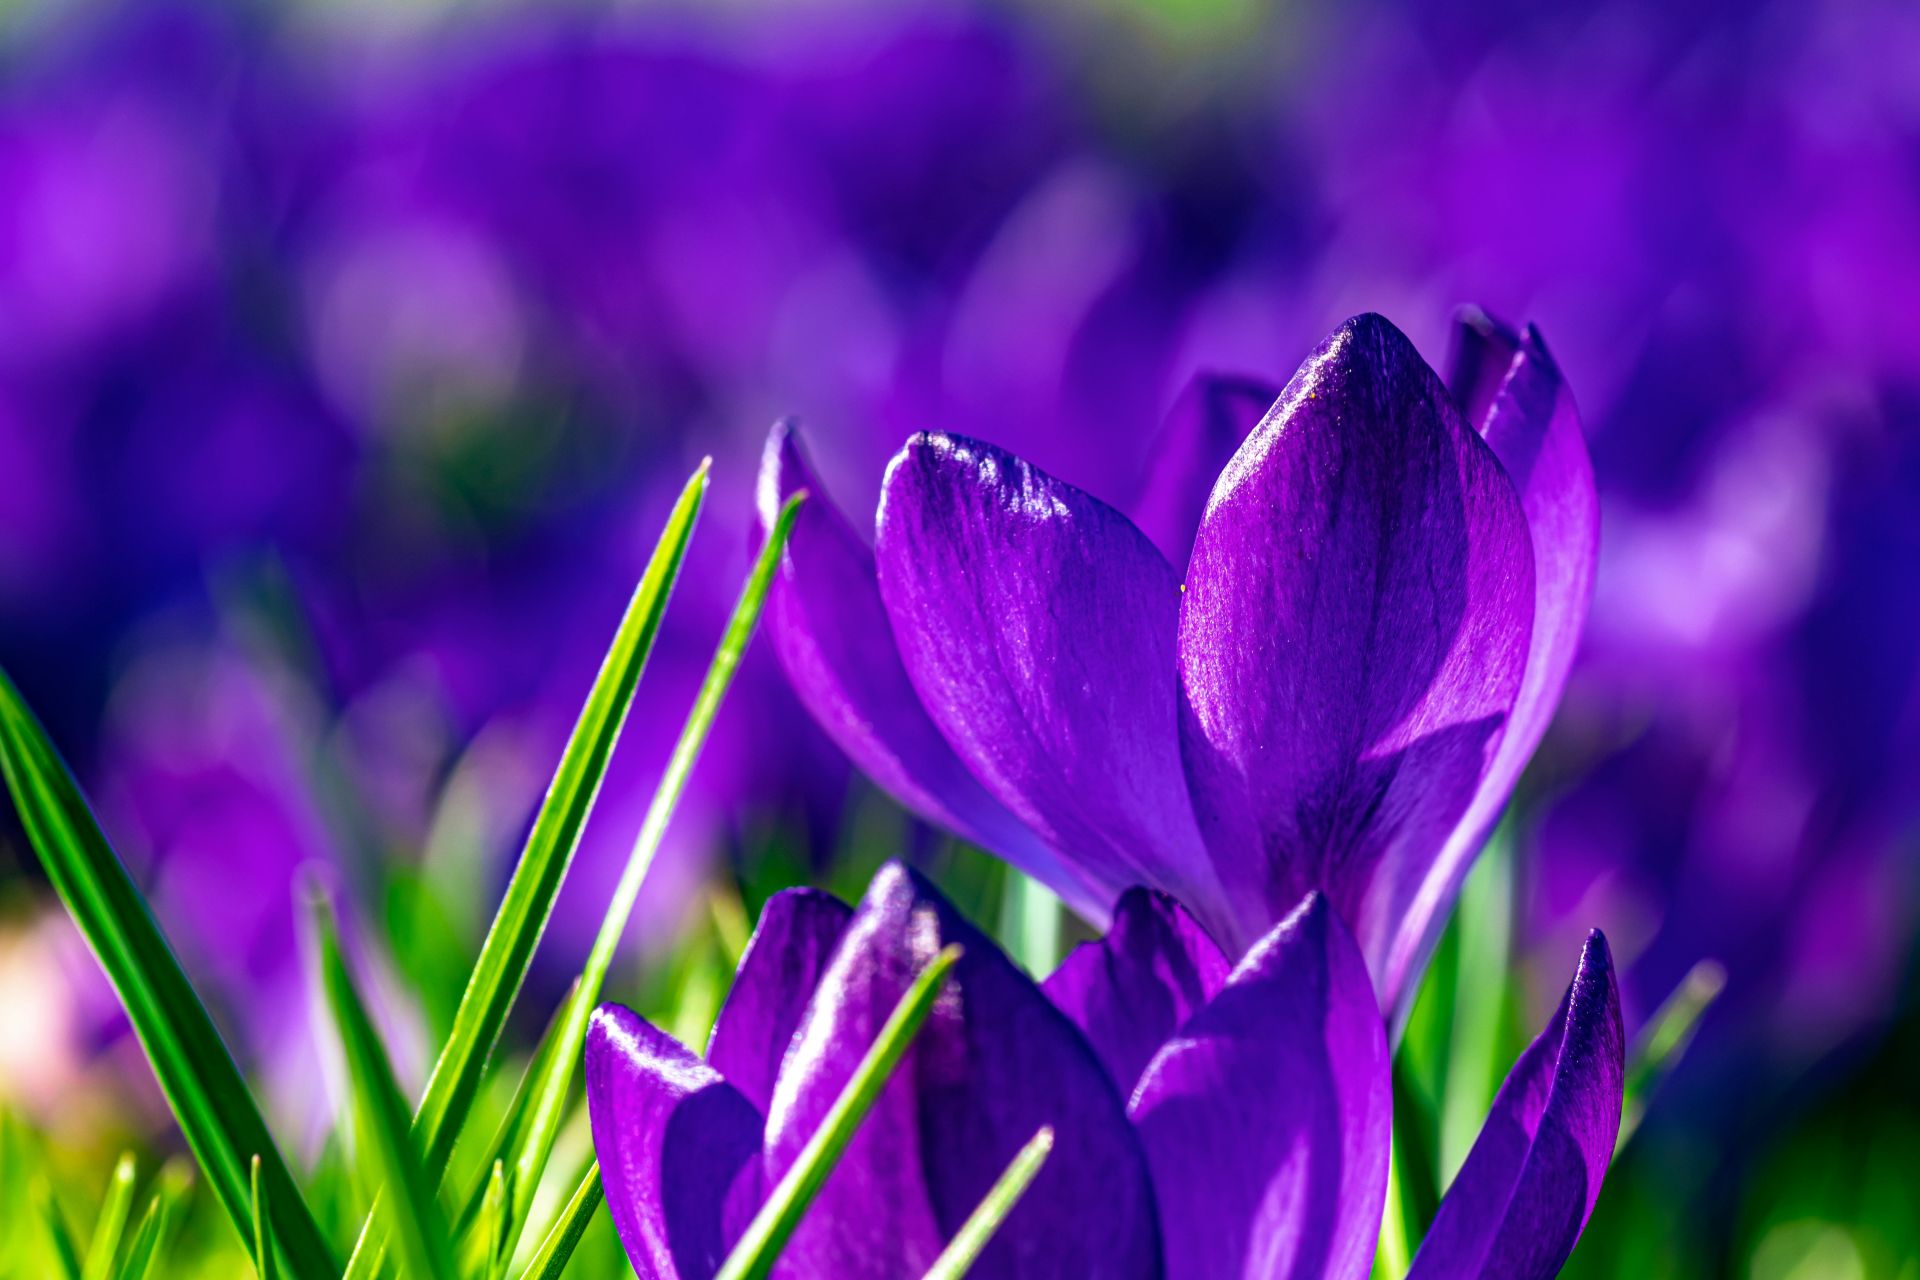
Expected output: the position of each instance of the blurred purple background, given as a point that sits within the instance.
(348, 366)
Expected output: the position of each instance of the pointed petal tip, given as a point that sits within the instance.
(784, 471)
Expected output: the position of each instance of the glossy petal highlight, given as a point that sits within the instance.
(1352, 637)
(1133, 989)
(679, 1147)
(831, 634)
(1037, 624)
(1267, 1119)
(1529, 1185)
(994, 1062)
(781, 966)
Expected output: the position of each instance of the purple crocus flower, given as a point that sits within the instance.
(1210, 1119)
(1383, 596)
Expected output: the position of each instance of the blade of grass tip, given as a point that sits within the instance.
(65, 1254)
(381, 1113)
(156, 1224)
(111, 1225)
(551, 1258)
(1665, 1042)
(552, 1091)
(528, 899)
(507, 1136)
(148, 1237)
(760, 1245)
(202, 1085)
(964, 1249)
(494, 1215)
(263, 1244)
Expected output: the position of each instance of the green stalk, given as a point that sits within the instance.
(971, 1239)
(202, 1085)
(760, 1245)
(381, 1114)
(551, 1092)
(528, 900)
(551, 1258)
(111, 1225)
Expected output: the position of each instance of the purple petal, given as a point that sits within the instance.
(1482, 356)
(678, 1147)
(1534, 429)
(1529, 1184)
(993, 1063)
(1352, 637)
(784, 959)
(1204, 427)
(1267, 1119)
(1037, 625)
(1131, 990)
(832, 637)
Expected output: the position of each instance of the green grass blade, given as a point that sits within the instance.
(263, 1244)
(493, 1217)
(150, 1237)
(552, 1090)
(964, 1249)
(1412, 1196)
(551, 1258)
(528, 900)
(1665, 1042)
(111, 1226)
(65, 1253)
(507, 1137)
(381, 1115)
(216, 1113)
(760, 1245)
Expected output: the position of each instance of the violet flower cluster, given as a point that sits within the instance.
(1304, 741)
(1211, 1119)
(1380, 607)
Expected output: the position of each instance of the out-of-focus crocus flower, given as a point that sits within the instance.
(1210, 1119)
(1383, 597)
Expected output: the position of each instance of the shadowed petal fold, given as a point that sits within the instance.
(679, 1147)
(1037, 624)
(1131, 990)
(1527, 415)
(1267, 1119)
(1529, 1184)
(781, 966)
(992, 1064)
(1352, 638)
(831, 635)
(1204, 427)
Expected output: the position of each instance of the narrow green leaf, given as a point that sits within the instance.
(494, 1215)
(1412, 1196)
(65, 1253)
(111, 1226)
(381, 1114)
(263, 1243)
(1030, 922)
(760, 1245)
(528, 900)
(506, 1137)
(551, 1258)
(150, 1238)
(216, 1113)
(1477, 1058)
(964, 1249)
(554, 1086)
(1665, 1042)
